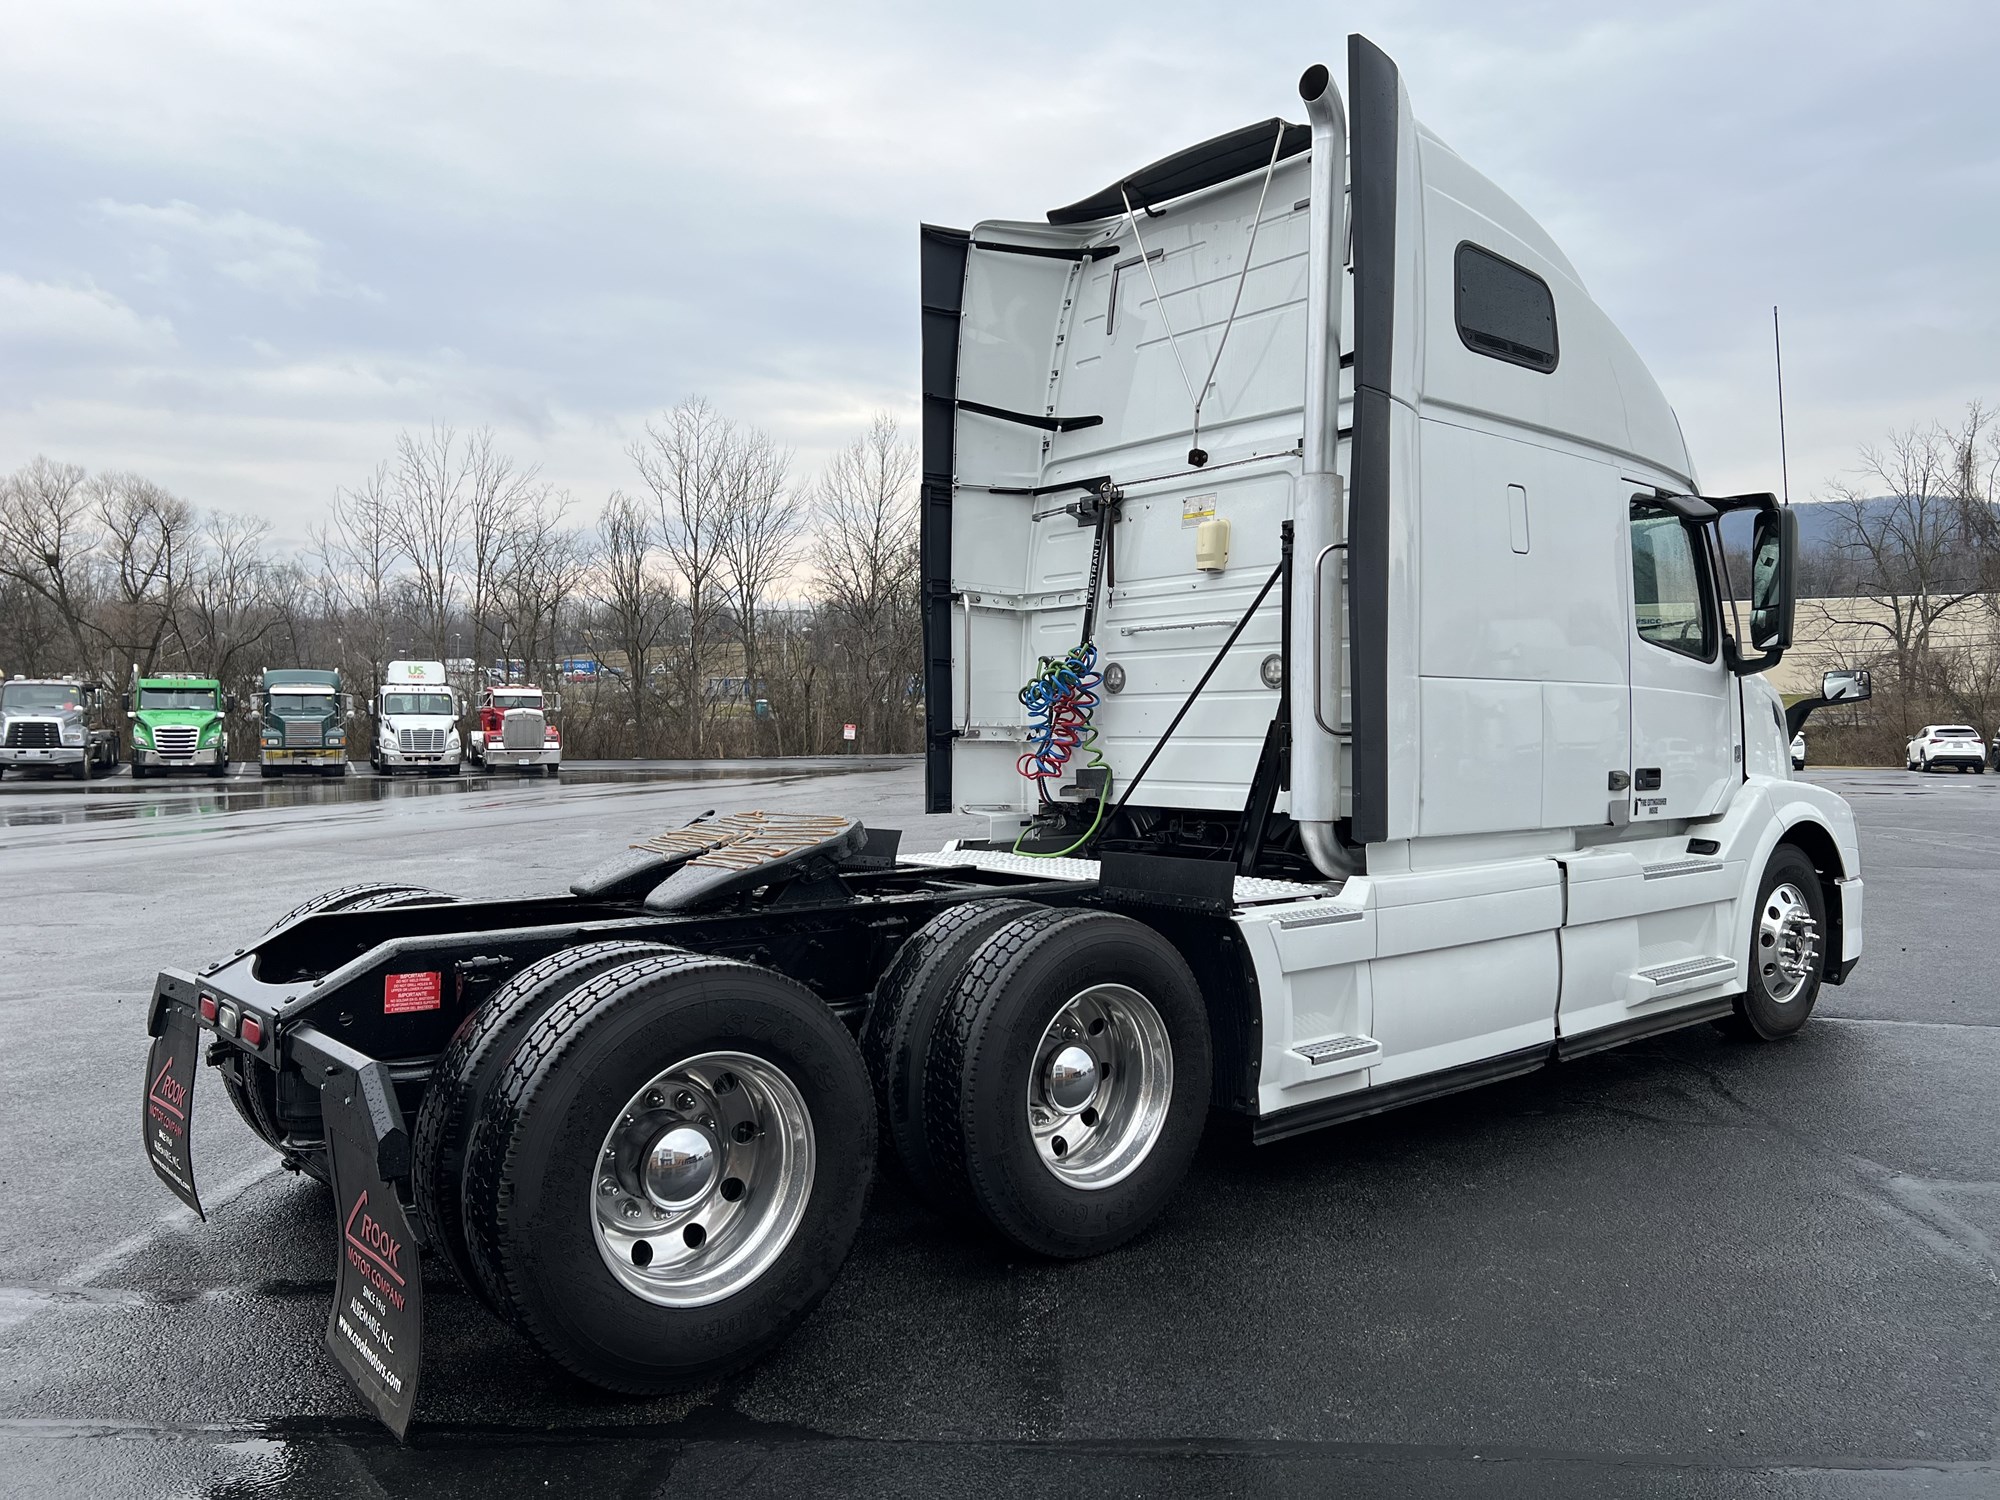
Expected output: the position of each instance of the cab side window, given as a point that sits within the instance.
(1669, 603)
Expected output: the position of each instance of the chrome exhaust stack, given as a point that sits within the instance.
(1318, 597)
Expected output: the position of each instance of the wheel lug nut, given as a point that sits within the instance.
(684, 1100)
(654, 1098)
(746, 1130)
(607, 1187)
(629, 1210)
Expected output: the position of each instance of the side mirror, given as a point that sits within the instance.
(256, 716)
(1773, 554)
(1846, 687)
(229, 703)
(555, 703)
(125, 702)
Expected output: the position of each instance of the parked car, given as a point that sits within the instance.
(1799, 751)
(1940, 745)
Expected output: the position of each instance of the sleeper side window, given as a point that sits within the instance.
(1669, 604)
(1505, 312)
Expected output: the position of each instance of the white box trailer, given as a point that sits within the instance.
(1320, 604)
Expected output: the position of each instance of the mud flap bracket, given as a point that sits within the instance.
(375, 1328)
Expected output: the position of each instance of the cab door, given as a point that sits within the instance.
(1685, 751)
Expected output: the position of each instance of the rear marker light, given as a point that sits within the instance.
(253, 1030)
(206, 1005)
(225, 1020)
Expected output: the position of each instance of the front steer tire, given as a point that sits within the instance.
(478, 1050)
(1014, 1010)
(1776, 1006)
(538, 1164)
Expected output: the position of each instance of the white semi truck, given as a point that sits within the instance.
(416, 715)
(1321, 606)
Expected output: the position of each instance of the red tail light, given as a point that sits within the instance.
(253, 1030)
(206, 1005)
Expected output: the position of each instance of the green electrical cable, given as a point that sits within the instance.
(1087, 744)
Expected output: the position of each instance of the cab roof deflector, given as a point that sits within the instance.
(1234, 154)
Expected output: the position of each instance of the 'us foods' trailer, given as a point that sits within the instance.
(1320, 602)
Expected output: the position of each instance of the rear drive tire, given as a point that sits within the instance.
(1787, 949)
(479, 1049)
(749, 1119)
(902, 1017)
(1069, 1080)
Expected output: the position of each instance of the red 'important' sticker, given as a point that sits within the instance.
(402, 992)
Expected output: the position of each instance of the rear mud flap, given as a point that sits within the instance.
(169, 1106)
(375, 1328)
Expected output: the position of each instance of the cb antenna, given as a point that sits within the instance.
(1778, 347)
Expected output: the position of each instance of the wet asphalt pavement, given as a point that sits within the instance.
(1692, 1267)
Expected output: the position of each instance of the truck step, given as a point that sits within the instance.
(1350, 1051)
(1672, 979)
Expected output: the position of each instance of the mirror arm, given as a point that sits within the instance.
(1799, 712)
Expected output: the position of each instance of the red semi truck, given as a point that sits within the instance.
(513, 728)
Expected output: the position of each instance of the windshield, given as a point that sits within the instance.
(177, 698)
(316, 704)
(22, 697)
(517, 700)
(417, 703)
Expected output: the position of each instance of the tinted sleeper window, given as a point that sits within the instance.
(1504, 311)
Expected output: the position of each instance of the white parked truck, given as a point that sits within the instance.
(416, 721)
(47, 722)
(1321, 605)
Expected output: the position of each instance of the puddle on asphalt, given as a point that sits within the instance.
(111, 801)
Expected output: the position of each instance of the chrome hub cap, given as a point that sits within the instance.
(680, 1168)
(1101, 1085)
(1787, 943)
(703, 1179)
(1070, 1082)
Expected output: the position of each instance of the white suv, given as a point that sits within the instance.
(1939, 745)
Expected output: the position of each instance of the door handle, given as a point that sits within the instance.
(1647, 778)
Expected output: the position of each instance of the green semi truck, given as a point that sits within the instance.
(177, 723)
(301, 718)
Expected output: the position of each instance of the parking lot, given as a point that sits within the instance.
(1693, 1266)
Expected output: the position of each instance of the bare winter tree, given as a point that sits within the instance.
(1901, 530)
(430, 487)
(358, 556)
(228, 611)
(149, 549)
(865, 556)
(636, 606)
(542, 569)
(758, 542)
(48, 548)
(684, 460)
(504, 510)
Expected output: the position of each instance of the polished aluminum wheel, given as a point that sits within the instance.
(1787, 943)
(702, 1179)
(1102, 1080)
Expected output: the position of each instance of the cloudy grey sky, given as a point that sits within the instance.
(241, 244)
